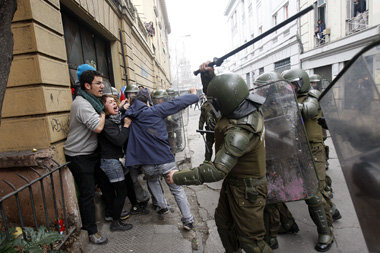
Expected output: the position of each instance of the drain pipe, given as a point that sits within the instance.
(299, 29)
(123, 53)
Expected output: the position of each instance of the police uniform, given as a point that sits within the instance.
(240, 161)
(308, 105)
(208, 117)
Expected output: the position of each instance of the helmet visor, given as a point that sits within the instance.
(297, 84)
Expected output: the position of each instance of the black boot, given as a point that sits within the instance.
(318, 215)
(336, 215)
(324, 242)
(273, 243)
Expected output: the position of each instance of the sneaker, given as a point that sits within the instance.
(97, 238)
(163, 211)
(188, 226)
(108, 218)
(120, 226)
(139, 210)
(123, 216)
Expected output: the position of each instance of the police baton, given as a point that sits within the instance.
(218, 61)
(202, 132)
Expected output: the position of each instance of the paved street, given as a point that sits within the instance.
(152, 233)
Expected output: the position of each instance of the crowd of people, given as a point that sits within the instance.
(110, 143)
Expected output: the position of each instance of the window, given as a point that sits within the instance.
(261, 70)
(274, 19)
(248, 79)
(282, 65)
(83, 45)
(286, 11)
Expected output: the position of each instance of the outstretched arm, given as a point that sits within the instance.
(235, 145)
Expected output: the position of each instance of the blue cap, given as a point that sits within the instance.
(82, 68)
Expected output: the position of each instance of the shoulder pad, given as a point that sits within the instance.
(256, 98)
(237, 141)
(255, 120)
(314, 93)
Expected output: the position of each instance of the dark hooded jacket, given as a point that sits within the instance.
(148, 138)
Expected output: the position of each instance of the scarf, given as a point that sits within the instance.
(116, 119)
(94, 101)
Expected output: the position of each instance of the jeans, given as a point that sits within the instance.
(141, 194)
(113, 169)
(83, 169)
(153, 173)
(114, 198)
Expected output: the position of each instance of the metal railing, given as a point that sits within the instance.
(29, 183)
(358, 23)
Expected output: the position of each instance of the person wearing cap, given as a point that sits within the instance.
(86, 121)
(80, 70)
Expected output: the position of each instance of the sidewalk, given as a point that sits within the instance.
(153, 233)
(348, 234)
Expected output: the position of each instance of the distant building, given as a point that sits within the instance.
(279, 51)
(348, 28)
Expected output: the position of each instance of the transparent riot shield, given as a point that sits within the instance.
(176, 133)
(325, 83)
(351, 107)
(290, 169)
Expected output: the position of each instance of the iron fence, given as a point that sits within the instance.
(44, 194)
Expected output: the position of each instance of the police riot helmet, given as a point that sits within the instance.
(316, 81)
(131, 90)
(268, 77)
(299, 78)
(170, 91)
(159, 96)
(227, 92)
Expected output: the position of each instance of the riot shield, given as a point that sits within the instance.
(351, 107)
(176, 133)
(290, 169)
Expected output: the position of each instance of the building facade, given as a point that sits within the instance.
(279, 51)
(51, 39)
(348, 29)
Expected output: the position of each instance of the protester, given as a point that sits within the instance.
(148, 146)
(86, 121)
(111, 143)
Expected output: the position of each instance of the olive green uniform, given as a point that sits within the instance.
(208, 117)
(240, 158)
(309, 107)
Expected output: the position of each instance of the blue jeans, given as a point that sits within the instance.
(153, 173)
(113, 169)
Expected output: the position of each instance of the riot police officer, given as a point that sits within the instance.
(239, 160)
(272, 217)
(160, 96)
(310, 110)
(177, 118)
(208, 117)
(316, 82)
(131, 91)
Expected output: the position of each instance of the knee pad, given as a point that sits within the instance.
(314, 201)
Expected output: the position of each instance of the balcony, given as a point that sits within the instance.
(358, 23)
(322, 40)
